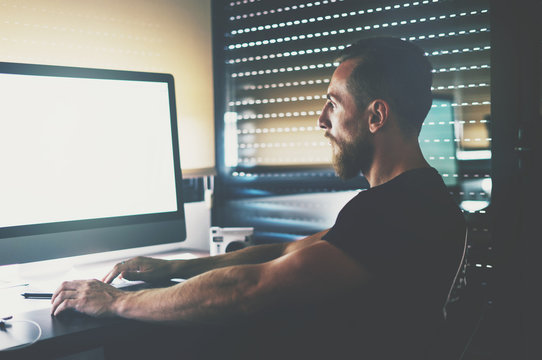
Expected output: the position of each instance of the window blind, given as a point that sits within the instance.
(278, 58)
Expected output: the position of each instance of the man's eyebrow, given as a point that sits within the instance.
(331, 95)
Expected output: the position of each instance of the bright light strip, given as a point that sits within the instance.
(461, 68)
(286, 54)
(466, 176)
(358, 29)
(473, 121)
(253, 116)
(447, 123)
(473, 206)
(324, 18)
(284, 69)
(472, 193)
(282, 175)
(466, 122)
(474, 103)
(330, 174)
(289, 160)
(314, 129)
(441, 158)
(318, 97)
(474, 155)
(461, 86)
(341, 47)
(446, 35)
(322, 81)
(284, 9)
(457, 51)
(293, 129)
(278, 115)
(286, 84)
(439, 123)
(447, 140)
(276, 100)
(291, 144)
(234, 3)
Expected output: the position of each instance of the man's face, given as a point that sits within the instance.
(346, 126)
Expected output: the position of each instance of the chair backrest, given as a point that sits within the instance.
(459, 283)
(462, 313)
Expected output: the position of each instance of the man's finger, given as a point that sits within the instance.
(65, 286)
(65, 305)
(116, 271)
(61, 297)
(110, 276)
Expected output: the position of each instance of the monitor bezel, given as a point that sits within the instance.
(101, 223)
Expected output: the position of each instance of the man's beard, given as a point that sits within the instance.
(351, 158)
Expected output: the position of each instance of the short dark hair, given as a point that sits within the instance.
(393, 70)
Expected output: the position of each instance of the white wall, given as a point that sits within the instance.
(141, 35)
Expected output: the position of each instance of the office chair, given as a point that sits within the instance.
(463, 312)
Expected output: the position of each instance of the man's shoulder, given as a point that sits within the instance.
(396, 221)
(412, 191)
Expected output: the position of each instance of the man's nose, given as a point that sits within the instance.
(323, 121)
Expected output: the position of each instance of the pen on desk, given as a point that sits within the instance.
(37, 295)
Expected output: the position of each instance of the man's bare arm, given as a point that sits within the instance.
(312, 274)
(149, 269)
(251, 255)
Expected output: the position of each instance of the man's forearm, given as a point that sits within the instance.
(235, 292)
(280, 275)
(215, 296)
(251, 255)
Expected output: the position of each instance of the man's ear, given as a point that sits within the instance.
(379, 113)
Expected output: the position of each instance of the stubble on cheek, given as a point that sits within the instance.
(337, 156)
(348, 158)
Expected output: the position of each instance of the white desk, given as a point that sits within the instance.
(31, 317)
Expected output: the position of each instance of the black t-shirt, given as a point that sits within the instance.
(408, 234)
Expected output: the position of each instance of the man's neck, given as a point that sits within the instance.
(393, 160)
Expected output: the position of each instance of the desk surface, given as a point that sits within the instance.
(36, 333)
(56, 336)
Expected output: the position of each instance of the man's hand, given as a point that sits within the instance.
(91, 297)
(141, 268)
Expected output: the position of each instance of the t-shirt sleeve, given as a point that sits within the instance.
(364, 231)
(406, 228)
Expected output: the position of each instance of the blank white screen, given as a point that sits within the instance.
(74, 149)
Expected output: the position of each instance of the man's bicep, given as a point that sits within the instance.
(315, 273)
(302, 243)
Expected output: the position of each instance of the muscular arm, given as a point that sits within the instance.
(250, 255)
(310, 273)
(153, 270)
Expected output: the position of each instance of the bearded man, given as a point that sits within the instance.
(373, 286)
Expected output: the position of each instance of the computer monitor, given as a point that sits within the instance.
(89, 162)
